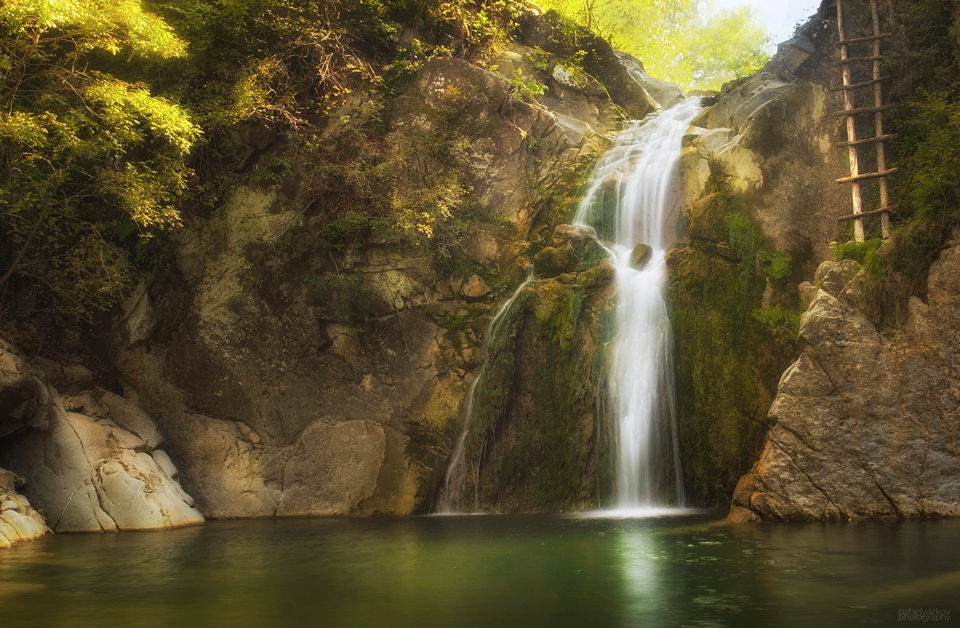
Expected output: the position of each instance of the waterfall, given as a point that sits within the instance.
(629, 197)
(455, 467)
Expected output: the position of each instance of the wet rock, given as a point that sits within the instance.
(641, 255)
(538, 403)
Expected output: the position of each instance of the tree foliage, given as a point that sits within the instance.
(682, 41)
(89, 163)
(285, 60)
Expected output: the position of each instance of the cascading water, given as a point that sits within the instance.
(628, 199)
(450, 501)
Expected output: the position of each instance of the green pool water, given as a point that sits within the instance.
(529, 570)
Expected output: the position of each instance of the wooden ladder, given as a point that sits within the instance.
(851, 110)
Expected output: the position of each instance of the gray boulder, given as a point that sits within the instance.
(865, 426)
(91, 475)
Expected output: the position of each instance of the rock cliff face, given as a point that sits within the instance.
(291, 363)
(761, 211)
(865, 425)
(536, 438)
(92, 460)
(270, 405)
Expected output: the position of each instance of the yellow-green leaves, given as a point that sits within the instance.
(682, 41)
(25, 129)
(90, 165)
(141, 192)
(109, 25)
(131, 111)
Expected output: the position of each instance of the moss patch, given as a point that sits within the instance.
(538, 439)
(728, 361)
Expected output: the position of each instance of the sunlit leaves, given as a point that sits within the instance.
(132, 112)
(83, 155)
(682, 41)
(23, 128)
(109, 25)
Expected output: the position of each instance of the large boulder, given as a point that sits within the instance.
(864, 425)
(91, 475)
(18, 520)
(91, 461)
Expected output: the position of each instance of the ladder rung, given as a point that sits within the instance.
(859, 85)
(874, 212)
(871, 140)
(869, 175)
(857, 40)
(888, 55)
(853, 112)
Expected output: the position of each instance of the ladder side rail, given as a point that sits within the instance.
(848, 103)
(878, 119)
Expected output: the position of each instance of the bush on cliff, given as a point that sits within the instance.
(105, 104)
(91, 162)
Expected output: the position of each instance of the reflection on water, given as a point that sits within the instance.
(533, 570)
(641, 579)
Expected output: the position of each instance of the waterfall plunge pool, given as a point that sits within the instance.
(485, 571)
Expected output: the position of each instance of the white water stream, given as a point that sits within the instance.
(451, 502)
(629, 197)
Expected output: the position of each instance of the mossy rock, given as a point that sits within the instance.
(553, 261)
(642, 253)
(538, 439)
(727, 362)
(572, 250)
(705, 219)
